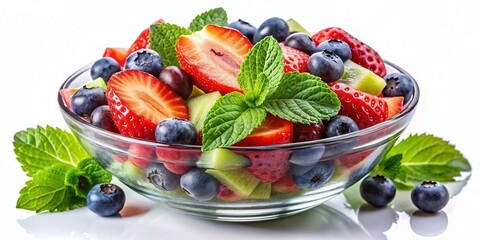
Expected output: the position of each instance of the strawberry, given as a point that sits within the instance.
(143, 40)
(140, 155)
(295, 60)
(178, 161)
(139, 101)
(67, 94)
(352, 160)
(395, 105)
(285, 185)
(119, 54)
(228, 195)
(269, 166)
(362, 54)
(365, 109)
(213, 57)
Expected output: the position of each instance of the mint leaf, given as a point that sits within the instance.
(163, 39)
(229, 121)
(47, 191)
(426, 157)
(302, 97)
(87, 174)
(39, 148)
(216, 16)
(265, 58)
(389, 167)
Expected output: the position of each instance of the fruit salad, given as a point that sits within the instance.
(218, 84)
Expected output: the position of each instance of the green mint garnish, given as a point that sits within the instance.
(163, 39)
(62, 171)
(217, 16)
(422, 157)
(297, 97)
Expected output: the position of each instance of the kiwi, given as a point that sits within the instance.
(261, 191)
(99, 82)
(239, 180)
(223, 159)
(362, 79)
(294, 26)
(199, 106)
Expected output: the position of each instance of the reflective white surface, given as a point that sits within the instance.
(43, 42)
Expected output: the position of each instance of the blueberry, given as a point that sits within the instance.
(339, 125)
(308, 156)
(105, 199)
(178, 80)
(336, 46)
(102, 118)
(326, 65)
(245, 28)
(161, 178)
(145, 60)
(199, 185)
(176, 130)
(377, 190)
(85, 100)
(301, 41)
(430, 196)
(316, 176)
(398, 85)
(104, 68)
(275, 27)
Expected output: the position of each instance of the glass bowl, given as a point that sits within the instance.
(347, 159)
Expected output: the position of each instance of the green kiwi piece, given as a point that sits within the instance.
(199, 106)
(239, 181)
(99, 82)
(362, 79)
(294, 26)
(261, 191)
(223, 159)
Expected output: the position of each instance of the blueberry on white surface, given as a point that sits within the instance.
(430, 196)
(377, 190)
(105, 199)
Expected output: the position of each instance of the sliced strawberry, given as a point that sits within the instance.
(365, 109)
(140, 155)
(119, 54)
(273, 130)
(269, 166)
(395, 105)
(178, 161)
(139, 101)
(143, 40)
(213, 57)
(228, 195)
(295, 60)
(67, 94)
(285, 185)
(352, 160)
(362, 54)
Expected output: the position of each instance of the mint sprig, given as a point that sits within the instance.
(422, 157)
(62, 171)
(217, 16)
(297, 97)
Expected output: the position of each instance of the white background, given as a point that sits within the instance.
(43, 42)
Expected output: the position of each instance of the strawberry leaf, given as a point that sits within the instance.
(302, 97)
(230, 120)
(261, 70)
(217, 16)
(163, 39)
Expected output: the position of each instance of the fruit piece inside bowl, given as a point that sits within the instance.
(224, 133)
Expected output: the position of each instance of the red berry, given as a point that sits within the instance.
(143, 40)
(365, 109)
(395, 105)
(307, 132)
(295, 60)
(119, 54)
(213, 57)
(362, 54)
(138, 102)
(228, 195)
(285, 185)
(67, 95)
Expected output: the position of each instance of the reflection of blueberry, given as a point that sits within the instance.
(161, 178)
(376, 220)
(199, 185)
(429, 225)
(377, 190)
(320, 173)
(105, 199)
(430, 196)
(305, 157)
